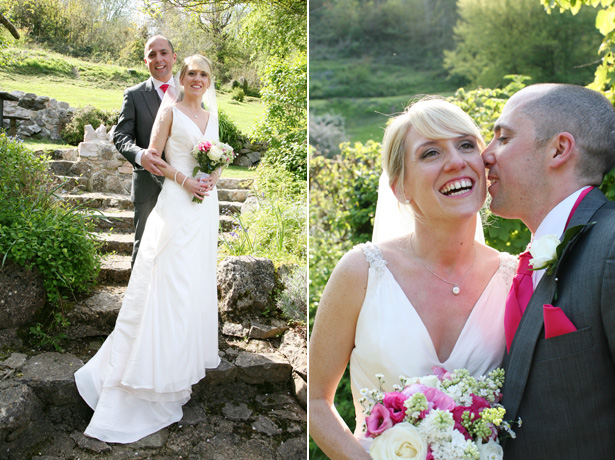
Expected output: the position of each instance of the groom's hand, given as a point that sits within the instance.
(151, 161)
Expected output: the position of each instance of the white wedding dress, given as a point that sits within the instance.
(166, 333)
(392, 340)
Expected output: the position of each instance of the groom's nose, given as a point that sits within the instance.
(488, 155)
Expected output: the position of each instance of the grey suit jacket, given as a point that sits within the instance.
(132, 133)
(563, 388)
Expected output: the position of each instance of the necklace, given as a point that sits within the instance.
(456, 289)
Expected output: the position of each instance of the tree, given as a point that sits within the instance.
(604, 77)
(499, 37)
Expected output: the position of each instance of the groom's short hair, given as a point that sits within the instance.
(154, 37)
(584, 113)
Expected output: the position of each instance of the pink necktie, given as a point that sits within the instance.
(518, 297)
(164, 88)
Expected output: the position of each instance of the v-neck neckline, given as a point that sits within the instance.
(194, 123)
(465, 326)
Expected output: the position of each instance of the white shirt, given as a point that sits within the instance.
(555, 224)
(157, 85)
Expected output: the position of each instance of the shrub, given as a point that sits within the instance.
(88, 115)
(229, 132)
(292, 300)
(277, 227)
(235, 84)
(238, 95)
(284, 125)
(38, 231)
(327, 132)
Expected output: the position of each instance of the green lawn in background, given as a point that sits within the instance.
(365, 118)
(81, 83)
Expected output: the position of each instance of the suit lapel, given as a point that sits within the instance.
(152, 100)
(531, 325)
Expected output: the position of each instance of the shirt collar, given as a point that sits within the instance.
(158, 83)
(555, 222)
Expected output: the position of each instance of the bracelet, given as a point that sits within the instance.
(175, 178)
(184, 181)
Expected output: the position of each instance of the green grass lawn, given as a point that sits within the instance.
(81, 83)
(365, 118)
(367, 91)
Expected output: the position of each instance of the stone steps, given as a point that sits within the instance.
(241, 410)
(115, 269)
(122, 243)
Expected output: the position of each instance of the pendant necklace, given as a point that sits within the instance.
(456, 289)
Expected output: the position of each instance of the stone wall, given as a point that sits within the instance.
(47, 116)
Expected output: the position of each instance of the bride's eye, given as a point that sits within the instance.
(429, 153)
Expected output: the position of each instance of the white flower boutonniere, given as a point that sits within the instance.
(544, 252)
(547, 250)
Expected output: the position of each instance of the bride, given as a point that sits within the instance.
(166, 333)
(432, 297)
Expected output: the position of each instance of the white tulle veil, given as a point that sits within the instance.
(394, 219)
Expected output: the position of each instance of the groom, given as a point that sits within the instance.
(132, 133)
(553, 145)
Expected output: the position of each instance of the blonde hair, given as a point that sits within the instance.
(199, 62)
(432, 117)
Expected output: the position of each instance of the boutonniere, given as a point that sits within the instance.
(547, 250)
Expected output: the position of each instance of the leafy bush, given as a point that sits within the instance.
(39, 231)
(277, 227)
(327, 132)
(238, 95)
(284, 126)
(229, 132)
(292, 300)
(73, 132)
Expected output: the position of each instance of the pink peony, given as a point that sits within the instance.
(378, 421)
(441, 373)
(394, 402)
(435, 398)
(478, 404)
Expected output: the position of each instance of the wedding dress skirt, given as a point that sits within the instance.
(166, 333)
(392, 340)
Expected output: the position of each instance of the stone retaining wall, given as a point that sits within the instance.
(47, 116)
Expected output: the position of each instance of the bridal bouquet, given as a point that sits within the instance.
(210, 155)
(444, 416)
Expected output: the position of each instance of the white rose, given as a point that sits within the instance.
(215, 153)
(429, 381)
(543, 251)
(490, 451)
(401, 441)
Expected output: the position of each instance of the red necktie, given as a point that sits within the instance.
(518, 297)
(164, 88)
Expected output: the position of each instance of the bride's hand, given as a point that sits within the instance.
(196, 188)
(210, 182)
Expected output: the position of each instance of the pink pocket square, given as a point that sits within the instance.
(556, 322)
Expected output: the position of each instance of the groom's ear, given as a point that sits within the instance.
(562, 149)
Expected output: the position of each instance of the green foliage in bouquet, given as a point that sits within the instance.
(40, 232)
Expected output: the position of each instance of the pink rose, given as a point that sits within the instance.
(394, 402)
(378, 421)
(429, 454)
(478, 404)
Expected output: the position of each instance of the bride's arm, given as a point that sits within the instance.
(160, 134)
(331, 343)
